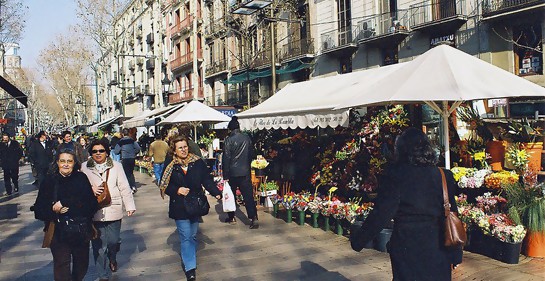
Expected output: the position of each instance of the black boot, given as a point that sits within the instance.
(254, 224)
(191, 275)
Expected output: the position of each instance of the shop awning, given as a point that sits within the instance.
(102, 124)
(147, 119)
(291, 67)
(13, 91)
(310, 104)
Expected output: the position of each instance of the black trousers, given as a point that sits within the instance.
(128, 167)
(11, 174)
(244, 183)
(66, 256)
(41, 173)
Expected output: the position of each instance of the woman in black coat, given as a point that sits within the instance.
(412, 195)
(186, 174)
(67, 194)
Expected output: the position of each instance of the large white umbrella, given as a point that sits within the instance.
(195, 113)
(443, 74)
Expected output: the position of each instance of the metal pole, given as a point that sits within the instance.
(273, 55)
(196, 79)
(446, 140)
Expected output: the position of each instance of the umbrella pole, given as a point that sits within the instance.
(195, 131)
(445, 114)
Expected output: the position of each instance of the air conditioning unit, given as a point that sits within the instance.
(367, 28)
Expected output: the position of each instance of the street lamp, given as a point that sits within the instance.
(166, 87)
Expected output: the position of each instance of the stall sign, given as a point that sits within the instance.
(449, 39)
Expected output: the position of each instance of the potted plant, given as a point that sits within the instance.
(268, 188)
(526, 205)
(527, 135)
(259, 165)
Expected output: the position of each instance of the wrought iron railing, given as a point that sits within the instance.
(382, 24)
(216, 67)
(297, 48)
(430, 11)
(498, 6)
(337, 38)
(216, 27)
(240, 96)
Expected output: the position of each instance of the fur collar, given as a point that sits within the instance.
(91, 163)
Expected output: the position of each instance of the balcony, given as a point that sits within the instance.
(383, 30)
(442, 17)
(181, 28)
(498, 8)
(297, 49)
(339, 43)
(184, 60)
(150, 64)
(216, 29)
(216, 68)
(149, 39)
(239, 97)
(184, 95)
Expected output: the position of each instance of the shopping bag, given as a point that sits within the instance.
(228, 199)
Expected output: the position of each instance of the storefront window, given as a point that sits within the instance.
(389, 56)
(528, 50)
(432, 125)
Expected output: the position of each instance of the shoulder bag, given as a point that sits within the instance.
(49, 228)
(104, 199)
(196, 204)
(455, 233)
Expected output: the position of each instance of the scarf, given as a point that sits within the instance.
(165, 180)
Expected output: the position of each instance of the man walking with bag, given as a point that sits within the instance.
(41, 154)
(10, 153)
(237, 157)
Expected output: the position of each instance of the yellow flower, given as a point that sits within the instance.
(479, 156)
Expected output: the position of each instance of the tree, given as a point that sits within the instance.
(12, 20)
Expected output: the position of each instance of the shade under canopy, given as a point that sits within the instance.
(102, 124)
(147, 118)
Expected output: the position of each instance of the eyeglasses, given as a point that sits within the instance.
(98, 151)
(183, 148)
(64, 161)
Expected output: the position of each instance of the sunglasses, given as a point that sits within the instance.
(98, 151)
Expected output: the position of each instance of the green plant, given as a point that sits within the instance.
(270, 185)
(470, 116)
(518, 156)
(522, 131)
(206, 140)
(526, 206)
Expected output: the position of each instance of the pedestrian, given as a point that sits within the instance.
(158, 151)
(65, 195)
(127, 149)
(237, 156)
(84, 142)
(68, 143)
(101, 168)
(10, 153)
(113, 142)
(411, 194)
(186, 174)
(41, 155)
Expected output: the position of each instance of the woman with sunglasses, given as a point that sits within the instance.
(66, 194)
(99, 169)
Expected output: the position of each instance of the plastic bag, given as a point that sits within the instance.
(228, 198)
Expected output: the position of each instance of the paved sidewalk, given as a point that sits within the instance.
(275, 251)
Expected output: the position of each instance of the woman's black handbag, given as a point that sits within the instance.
(196, 205)
(74, 230)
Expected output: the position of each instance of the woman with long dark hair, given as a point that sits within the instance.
(411, 194)
(66, 197)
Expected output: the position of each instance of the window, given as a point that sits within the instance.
(345, 22)
(528, 57)
(346, 65)
(389, 56)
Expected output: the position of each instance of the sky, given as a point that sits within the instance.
(45, 19)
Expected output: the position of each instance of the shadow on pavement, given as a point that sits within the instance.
(43, 273)
(8, 211)
(309, 271)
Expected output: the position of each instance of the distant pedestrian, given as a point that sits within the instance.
(237, 156)
(128, 148)
(68, 143)
(66, 195)
(113, 142)
(411, 194)
(186, 174)
(158, 151)
(84, 142)
(99, 169)
(41, 154)
(10, 154)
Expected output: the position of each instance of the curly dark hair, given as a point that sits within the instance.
(55, 167)
(413, 147)
(103, 142)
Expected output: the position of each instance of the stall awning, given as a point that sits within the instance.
(291, 67)
(147, 119)
(102, 124)
(13, 91)
(310, 104)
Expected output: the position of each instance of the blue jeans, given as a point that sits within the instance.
(115, 157)
(158, 171)
(187, 230)
(104, 247)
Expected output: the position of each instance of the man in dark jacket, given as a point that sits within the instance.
(10, 154)
(127, 148)
(41, 154)
(71, 145)
(237, 156)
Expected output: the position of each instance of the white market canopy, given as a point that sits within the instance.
(104, 123)
(311, 103)
(442, 74)
(147, 118)
(195, 113)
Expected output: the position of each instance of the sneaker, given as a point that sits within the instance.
(35, 182)
(190, 274)
(16, 190)
(254, 224)
(134, 190)
(230, 220)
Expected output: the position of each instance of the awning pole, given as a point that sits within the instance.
(446, 140)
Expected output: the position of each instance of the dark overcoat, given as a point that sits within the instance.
(10, 154)
(197, 176)
(413, 197)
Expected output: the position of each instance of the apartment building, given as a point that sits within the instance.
(129, 75)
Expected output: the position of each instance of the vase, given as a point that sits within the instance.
(288, 214)
(382, 239)
(301, 218)
(275, 210)
(534, 155)
(496, 150)
(315, 220)
(339, 227)
(326, 224)
(534, 244)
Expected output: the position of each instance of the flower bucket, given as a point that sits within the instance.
(534, 155)
(326, 224)
(507, 252)
(268, 202)
(288, 216)
(301, 217)
(339, 228)
(496, 150)
(315, 220)
(382, 239)
(534, 244)
(275, 210)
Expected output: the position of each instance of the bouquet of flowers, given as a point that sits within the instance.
(315, 205)
(337, 209)
(289, 201)
(504, 229)
(491, 203)
(499, 179)
(459, 172)
(325, 210)
(473, 179)
(276, 199)
(260, 163)
(302, 202)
